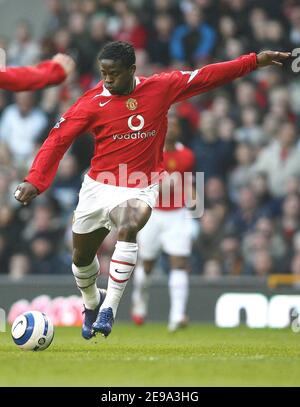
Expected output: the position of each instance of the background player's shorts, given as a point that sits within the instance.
(170, 231)
(96, 200)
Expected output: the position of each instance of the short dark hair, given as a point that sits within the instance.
(118, 51)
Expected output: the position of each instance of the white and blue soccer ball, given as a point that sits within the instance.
(32, 330)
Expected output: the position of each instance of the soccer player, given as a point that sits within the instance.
(51, 72)
(169, 229)
(127, 116)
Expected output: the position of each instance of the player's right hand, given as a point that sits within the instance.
(25, 192)
(66, 62)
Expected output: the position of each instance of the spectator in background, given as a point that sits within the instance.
(262, 264)
(279, 100)
(295, 267)
(243, 219)
(158, 44)
(45, 257)
(250, 130)
(227, 30)
(192, 43)
(258, 22)
(213, 155)
(276, 245)
(270, 125)
(23, 50)
(43, 222)
(208, 240)
(212, 269)
(275, 38)
(231, 257)
(9, 230)
(266, 202)
(238, 10)
(4, 253)
(295, 255)
(132, 31)
(220, 108)
(215, 192)
(66, 186)
(280, 160)
(245, 96)
(21, 124)
(242, 173)
(56, 16)
(289, 223)
(19, 266)
(294, 17)
(4, 187)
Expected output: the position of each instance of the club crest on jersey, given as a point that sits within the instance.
(171, 164)
(131, 104)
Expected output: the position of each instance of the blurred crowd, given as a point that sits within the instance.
(245, 135)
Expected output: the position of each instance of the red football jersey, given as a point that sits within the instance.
(32, 77)
(129, 131)
(180, 163)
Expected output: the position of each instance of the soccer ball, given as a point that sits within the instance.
(32, 330)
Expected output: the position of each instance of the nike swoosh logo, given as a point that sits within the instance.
(121, 272)
(20, 322)
(105, 103)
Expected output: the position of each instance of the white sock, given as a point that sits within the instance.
(121, 266)
(85, 278)
(140, 293)
(178, 290)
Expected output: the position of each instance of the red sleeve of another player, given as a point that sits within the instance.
(44, 167)
(32, 78)
(185, 84)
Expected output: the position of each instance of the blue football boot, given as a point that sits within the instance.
(104, 322)
(90, 316)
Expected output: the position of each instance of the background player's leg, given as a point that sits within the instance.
(178, 291)
(129, 220)
(85, 265)
(140, 293)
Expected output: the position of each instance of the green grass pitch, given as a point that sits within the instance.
(200, 355)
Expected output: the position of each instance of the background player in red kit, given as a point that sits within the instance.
(127, 116)
(169, 229)
(51, 72)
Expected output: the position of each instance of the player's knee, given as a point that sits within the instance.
(81, 259)
(128, 231)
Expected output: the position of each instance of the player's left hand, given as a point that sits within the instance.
(266, 58)
(65, 61)
(25, 192)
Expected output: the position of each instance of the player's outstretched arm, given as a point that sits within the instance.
(185, 84)
(51, 72)
(266, 58)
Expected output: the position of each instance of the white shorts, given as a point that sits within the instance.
(170, 231)
(96, 201)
